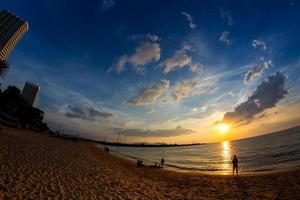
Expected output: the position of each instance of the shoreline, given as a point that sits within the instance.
(199, 172)
(36, 166)
(196, 171)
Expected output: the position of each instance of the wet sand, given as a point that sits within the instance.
(35, 166)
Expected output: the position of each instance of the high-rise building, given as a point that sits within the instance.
(30, 92)
(12, 29)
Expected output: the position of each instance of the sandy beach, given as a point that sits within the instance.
(36, 166)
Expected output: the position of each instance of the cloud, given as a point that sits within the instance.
(256, 71)
(224, 37)
(153, 37)
(153, 133)
(194, 109)
(266, 95)
(75, 112)
(145, 37)
(189, 17)
(145, 53)
(196, 67)
(226, 15)
(181, 59)
(107, 4)
(185, 88)
(258, 44)
(120, 63)
(150, 94)
(96, 113)
(87, 113)
(232, 94)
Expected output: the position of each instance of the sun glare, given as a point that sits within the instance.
(223, 128)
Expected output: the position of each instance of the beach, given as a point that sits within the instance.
(37, 166)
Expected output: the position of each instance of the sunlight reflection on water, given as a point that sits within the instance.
(226, 157)
(261, 154)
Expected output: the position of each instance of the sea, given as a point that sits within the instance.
(262, 154)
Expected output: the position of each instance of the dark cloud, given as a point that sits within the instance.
(153, 133)
(256, 71)
(266, 95)
(86, 113)
(96, 113)
(75, 112)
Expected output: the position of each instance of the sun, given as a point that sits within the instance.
(223, 128)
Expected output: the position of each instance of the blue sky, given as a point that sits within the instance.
(161, 70)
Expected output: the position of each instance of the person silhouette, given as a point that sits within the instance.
(162, 162)
(138, 163)
(235, 165)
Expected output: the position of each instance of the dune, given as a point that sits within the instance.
(36, 166)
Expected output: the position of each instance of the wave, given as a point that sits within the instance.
(261, 154)
(193, 168)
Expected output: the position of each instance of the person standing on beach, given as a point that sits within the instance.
(235, 167)
(162, 162)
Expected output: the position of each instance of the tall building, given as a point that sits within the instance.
(12, 29)
(30, 92)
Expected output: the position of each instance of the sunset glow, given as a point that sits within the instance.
(149, 99)
(193, 77)
(223, 128)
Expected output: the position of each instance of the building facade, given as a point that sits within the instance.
(12, 29)
(30, 92)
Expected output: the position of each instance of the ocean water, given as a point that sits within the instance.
(267, 153)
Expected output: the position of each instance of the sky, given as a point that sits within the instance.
(161, 71)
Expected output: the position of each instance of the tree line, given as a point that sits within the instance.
(14, 105)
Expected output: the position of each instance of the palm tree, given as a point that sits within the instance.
(3, 68)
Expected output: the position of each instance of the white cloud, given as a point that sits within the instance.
(151, 93)
(232, 94)
(145, 37)
(185, 88)
(181, 59)
(196, 67)
(120, 63)
(201, 109)
(225, 15)
(256, 71)
(189, 17)
(107, 4)
(145, 53)
(194, 109)
(224, 37)
(153, 37)
(258, 44)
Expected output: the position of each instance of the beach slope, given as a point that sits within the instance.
(36, 166)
